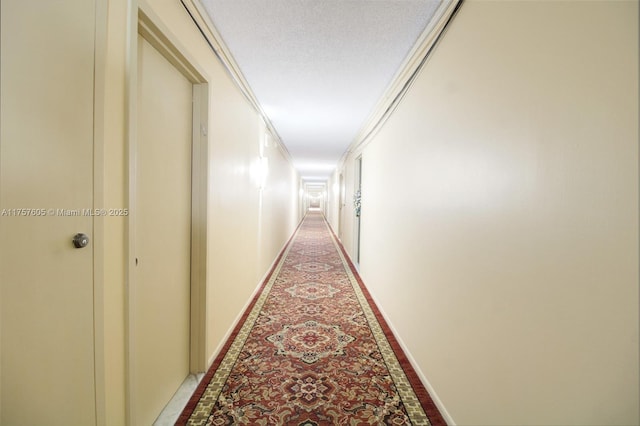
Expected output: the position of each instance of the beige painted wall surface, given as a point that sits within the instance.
(500, 214)
(278, 204)
(237, 257)
(235, 134)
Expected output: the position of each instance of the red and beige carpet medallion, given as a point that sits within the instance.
(312, 349)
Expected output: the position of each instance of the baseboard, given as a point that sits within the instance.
(240, 315)
(432, 393)
(251, 298)
(237, 319)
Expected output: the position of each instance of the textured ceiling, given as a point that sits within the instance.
(318, 67)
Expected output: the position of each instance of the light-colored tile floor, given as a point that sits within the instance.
(173, 409)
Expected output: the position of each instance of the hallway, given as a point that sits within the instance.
(312, 349)
(490, 200)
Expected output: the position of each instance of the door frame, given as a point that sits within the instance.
(357, 219)
(99, 124)
(145, 23)
(341, 203)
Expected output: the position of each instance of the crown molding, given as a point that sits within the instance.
(213, 38)
(406, 74)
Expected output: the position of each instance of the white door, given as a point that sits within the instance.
(46, 180)
(162, 233)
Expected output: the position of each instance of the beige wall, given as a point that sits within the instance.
(240, 244)
(278, 204)
(500, 214)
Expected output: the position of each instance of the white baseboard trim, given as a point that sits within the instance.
(432, 393)
(237, 319)
(233, 325)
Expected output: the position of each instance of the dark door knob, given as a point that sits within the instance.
(80, 240)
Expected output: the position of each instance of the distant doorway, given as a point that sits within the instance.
(357, 210)
(315, 197)
(340, 203)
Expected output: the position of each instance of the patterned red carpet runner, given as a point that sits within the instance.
(312, 349)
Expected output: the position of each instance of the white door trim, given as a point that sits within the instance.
(356, 219)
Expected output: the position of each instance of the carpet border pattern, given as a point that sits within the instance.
(211, 392)
(419, 406)
(405, 390)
